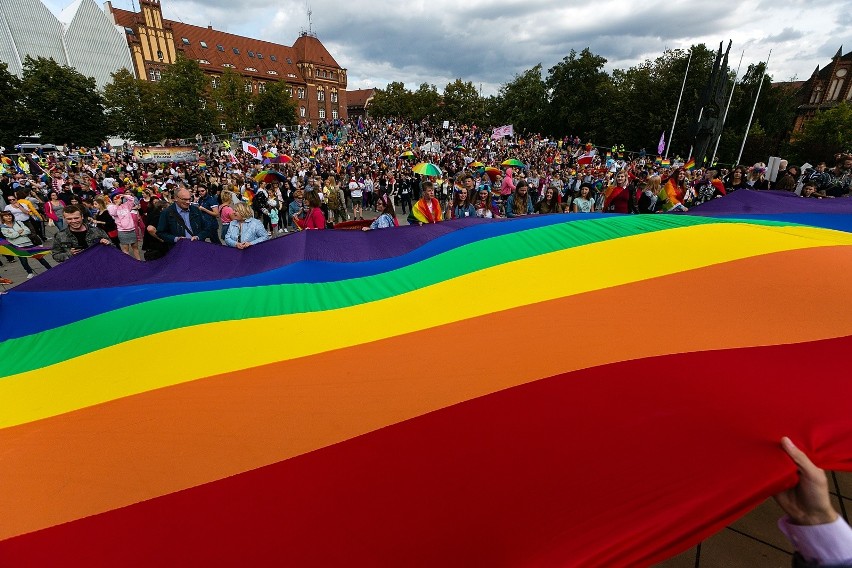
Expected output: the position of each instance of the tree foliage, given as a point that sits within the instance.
(826, 134)
(462, 103)
(10, 90)
(185, 100)
(522, 102)
(125, 100)
(275, 105)
(59, 103)
(232, 101)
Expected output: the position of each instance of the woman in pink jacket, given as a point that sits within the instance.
(121, 210)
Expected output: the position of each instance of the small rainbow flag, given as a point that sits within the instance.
(666, 163)
(8, 249)
(658, 161)
(690, 164)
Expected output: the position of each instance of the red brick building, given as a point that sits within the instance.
(358, 102)
(316, 81)
(826, 88)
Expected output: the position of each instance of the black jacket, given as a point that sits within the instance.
(169, 227)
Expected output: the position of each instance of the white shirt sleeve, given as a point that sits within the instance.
(828, 544)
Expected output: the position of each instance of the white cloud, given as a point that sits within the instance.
(489, 41)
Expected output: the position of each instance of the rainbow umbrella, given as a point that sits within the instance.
(460, 147)
(513, 162)
(407, 154)
(477, 165)
(269, 154)
(282, 159)
(493, 172)
(427, 169)
(270, 176)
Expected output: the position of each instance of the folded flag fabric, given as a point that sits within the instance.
(690, 164)
(8, 249)
(315, 450)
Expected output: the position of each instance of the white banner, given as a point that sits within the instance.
(501, 131)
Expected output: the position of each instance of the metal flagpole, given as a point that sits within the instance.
(677, 110)
(759, 87)
(727, 108)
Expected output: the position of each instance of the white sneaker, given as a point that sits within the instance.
(30, 275)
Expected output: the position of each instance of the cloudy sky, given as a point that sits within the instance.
(489, 41)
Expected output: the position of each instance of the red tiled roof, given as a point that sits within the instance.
(359, 98)
(284, 67)
(309, 48)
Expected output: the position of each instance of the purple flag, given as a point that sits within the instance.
(661, 147)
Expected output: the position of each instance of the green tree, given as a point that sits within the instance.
(578, 86)
(185, 100)
(829, 132)
(425, 103)
(392, 101)
(232, 101)
(61, 104)
(522, 102)
(462, 103)
(275, 105)
(10, 90)
(125, 107)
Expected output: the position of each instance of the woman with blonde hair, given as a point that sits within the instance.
(226, 210)
(650, 198)
(244, 230)
(335, 200)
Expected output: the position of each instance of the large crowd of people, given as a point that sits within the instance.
(333, 174)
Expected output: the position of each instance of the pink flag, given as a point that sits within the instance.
(661, 147)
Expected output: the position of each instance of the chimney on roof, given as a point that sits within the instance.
(209, 26)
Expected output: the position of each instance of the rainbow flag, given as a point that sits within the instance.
(8, 249)
(658, 160)
(318, 450)
(666, 163)
(690, 164)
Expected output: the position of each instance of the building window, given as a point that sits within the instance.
(203, 103)
(300, 92)
(322, 113)
(203, 44)
(204, 62)
(220, 48)
(815, 96)
(251, 54)
(291, 75)
(155, 74)
(129, 31)
(261, 87)
(302, 112)
(250, 107)
(159, 55)
(185, 40)
(219, 105)
(223, 126)
(214, 82)
(248, 86)
(331, 75)
(272, 72)
(334, 114)
(259, 55)
(290, 91)
(289, 61)
(318, 73)
(835, 89)
(334, 95)
(236, 51)
(320, 94)
(252, 69)
(228, 65)
(273, 58)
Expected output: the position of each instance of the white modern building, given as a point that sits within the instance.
(83, 37)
